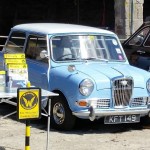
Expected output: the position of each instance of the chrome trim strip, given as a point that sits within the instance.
(103, 113)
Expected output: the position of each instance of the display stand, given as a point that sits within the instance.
(7, 98)
(16, 77)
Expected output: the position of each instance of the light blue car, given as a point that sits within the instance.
(87, 67)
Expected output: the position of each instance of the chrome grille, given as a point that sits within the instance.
(103, 103)
(122, 91)
(140, 101)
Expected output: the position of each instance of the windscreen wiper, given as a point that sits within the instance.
(94, 58)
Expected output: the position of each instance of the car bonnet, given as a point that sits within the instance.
(103, 74)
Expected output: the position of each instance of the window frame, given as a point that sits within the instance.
(37, 36)
(8, 40)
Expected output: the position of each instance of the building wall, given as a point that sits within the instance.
(115, 14)
(128, 16)
(97, 13)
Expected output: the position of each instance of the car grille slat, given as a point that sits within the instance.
(103, 103)
(122, 91)
(139, 101)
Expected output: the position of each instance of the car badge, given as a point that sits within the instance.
(71, 68)
(124, 82)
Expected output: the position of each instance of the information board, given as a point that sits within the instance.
(28, 103)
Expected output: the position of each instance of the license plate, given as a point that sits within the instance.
(122, 119)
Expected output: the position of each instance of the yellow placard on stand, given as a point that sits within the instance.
(14, 55)
(15, 61)
(16, 71)
(29, 103)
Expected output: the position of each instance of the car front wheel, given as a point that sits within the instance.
(61, 115)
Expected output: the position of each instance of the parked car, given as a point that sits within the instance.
(137, 47)
(87, 67)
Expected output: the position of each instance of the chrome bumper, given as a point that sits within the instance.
(92, 113)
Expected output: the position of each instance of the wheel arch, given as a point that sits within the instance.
(61, 95)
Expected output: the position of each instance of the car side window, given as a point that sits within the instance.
(15, 43)
(35, 45)
(147, 42)
(139, 38)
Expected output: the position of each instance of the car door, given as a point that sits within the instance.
(37, 67)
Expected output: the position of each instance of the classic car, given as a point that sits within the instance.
(89, 70)
(137, 47)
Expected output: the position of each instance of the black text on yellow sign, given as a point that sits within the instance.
(29, 103)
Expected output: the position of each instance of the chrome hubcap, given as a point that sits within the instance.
(58, 113)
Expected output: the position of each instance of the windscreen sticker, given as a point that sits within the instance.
(120, 57)
(118, 50)
(114, 42)
(91, 37)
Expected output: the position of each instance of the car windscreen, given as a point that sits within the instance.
(86, 47)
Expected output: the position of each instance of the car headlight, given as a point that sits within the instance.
(86, 87)
(148, 85)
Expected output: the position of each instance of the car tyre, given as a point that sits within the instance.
(61, 115)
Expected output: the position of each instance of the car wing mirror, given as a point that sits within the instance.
(44, 54)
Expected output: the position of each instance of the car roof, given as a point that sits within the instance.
(56, 28)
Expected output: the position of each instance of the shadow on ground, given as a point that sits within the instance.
(82, 126)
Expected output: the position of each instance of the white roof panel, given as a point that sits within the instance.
(54, 28)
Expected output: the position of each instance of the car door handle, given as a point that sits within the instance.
(141, 52)
(43, 74)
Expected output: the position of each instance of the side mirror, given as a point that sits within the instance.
(43, 54)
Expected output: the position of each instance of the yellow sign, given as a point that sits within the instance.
(14, 55)
(15, 61)
(29, 103)
(18, 66)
